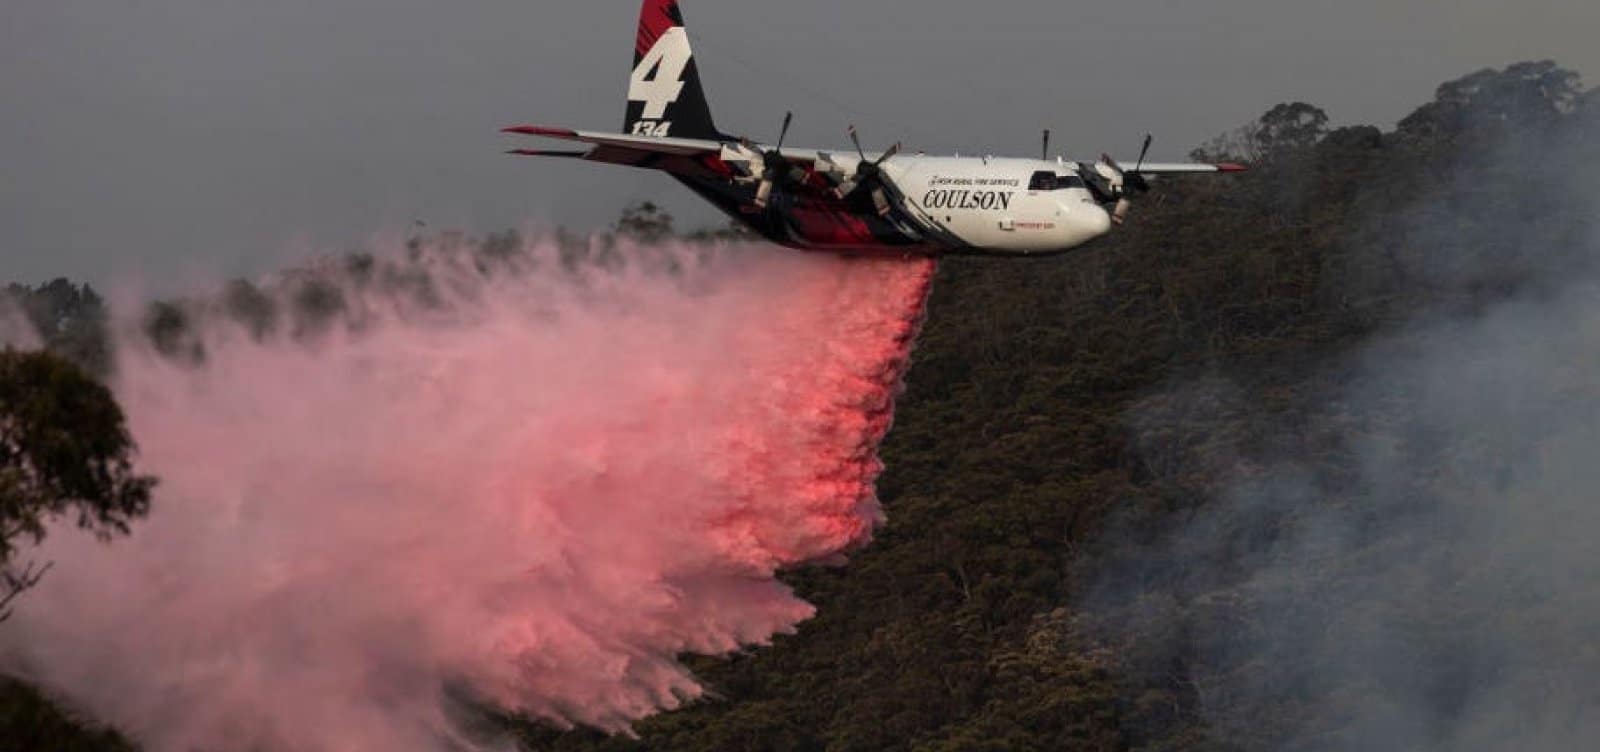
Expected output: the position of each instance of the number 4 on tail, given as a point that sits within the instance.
(658, 78)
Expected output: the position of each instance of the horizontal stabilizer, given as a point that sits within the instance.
(548, 153)
(652, 144)
(540, 130)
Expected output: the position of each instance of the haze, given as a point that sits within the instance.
(172, 140)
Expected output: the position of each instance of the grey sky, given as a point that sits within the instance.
(162, 140)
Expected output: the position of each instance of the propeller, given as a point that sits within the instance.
(1131, 180)
(869, 175)
(774, 166)
(1045, 152)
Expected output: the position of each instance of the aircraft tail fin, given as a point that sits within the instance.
(664, 93)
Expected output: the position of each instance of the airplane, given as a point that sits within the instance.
(853, 203)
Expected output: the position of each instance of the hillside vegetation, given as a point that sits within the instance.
(1070, 423)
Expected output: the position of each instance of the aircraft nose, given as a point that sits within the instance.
(1096, 218)
(1086, 222)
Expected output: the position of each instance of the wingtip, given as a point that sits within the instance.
(1232, 167)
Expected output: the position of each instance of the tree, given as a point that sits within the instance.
(646, 223)
(1237, 145)
(1524, 93)
(64, 449)
(1353, 138)
(1289, 127)
(250, 307)
(733, 231)
(70, 319)
(1589, 103)
(1286, 128)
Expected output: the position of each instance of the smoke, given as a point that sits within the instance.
(1406, 561)
(533, 490)
(15, 330)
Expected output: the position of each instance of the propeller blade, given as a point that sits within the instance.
(868, 175)
(893, 150)
(1135, 179)
(1131, 181)
(1045, 152)
(856, 139)
(784, 134)
(774, 166)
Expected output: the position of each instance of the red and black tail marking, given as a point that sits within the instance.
(654, 19)
(665, 97)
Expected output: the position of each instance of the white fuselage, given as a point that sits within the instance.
(1001, 205)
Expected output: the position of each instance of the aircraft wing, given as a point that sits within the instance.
(1186, 168)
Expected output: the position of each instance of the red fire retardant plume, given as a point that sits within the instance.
(535, 497)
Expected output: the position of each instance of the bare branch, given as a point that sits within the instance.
(16, 583)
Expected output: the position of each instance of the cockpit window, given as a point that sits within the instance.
(1049, 181)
